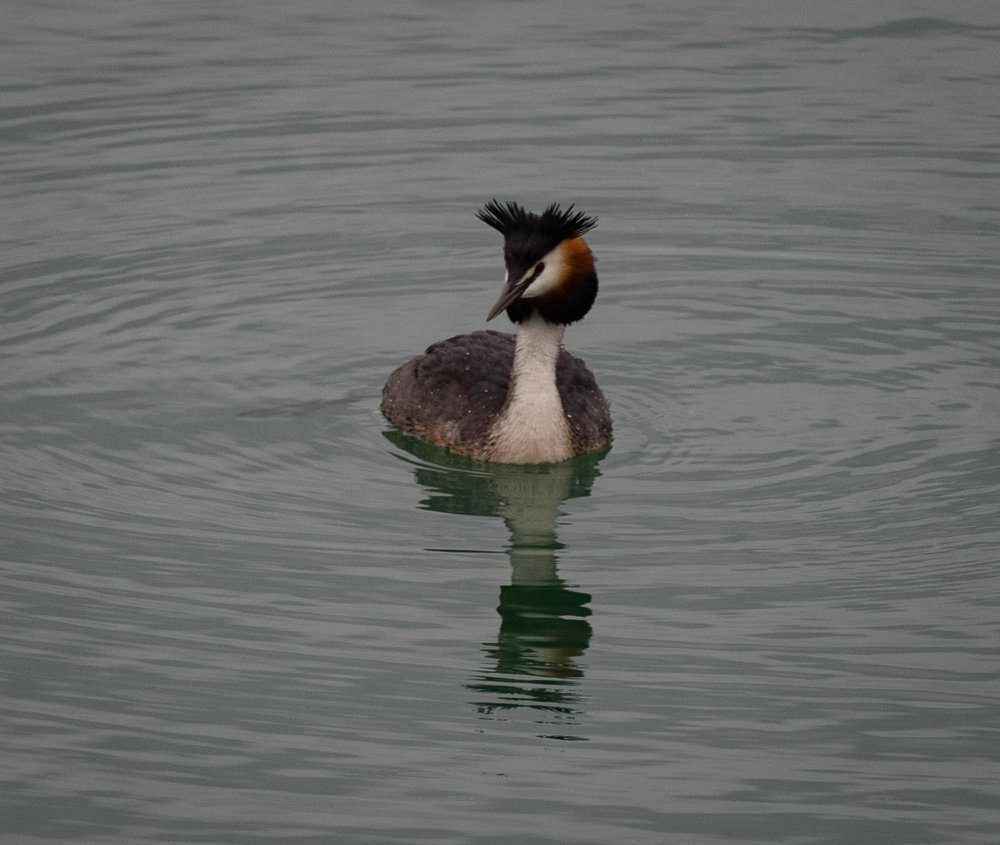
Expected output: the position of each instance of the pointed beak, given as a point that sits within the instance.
(518, 280)
(511, 293)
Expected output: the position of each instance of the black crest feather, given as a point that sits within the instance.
(553, 225)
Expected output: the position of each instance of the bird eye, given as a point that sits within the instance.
(539, 267)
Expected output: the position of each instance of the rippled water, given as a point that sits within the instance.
(237, 607)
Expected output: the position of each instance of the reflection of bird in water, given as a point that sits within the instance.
(520, 400)
(543, 628)
(544, 625)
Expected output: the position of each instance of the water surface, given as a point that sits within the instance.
(238, 607)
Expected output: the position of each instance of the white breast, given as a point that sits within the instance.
(532, 427)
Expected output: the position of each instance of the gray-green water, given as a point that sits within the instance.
(236, 608)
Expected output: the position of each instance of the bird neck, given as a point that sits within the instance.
(532, 427)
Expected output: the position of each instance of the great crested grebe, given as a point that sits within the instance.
(515, 400)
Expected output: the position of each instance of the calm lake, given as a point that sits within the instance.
(238, 607)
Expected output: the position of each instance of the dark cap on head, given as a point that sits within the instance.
(552, 225)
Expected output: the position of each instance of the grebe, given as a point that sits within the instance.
(522, 400)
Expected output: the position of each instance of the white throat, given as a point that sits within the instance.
(532, 427)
